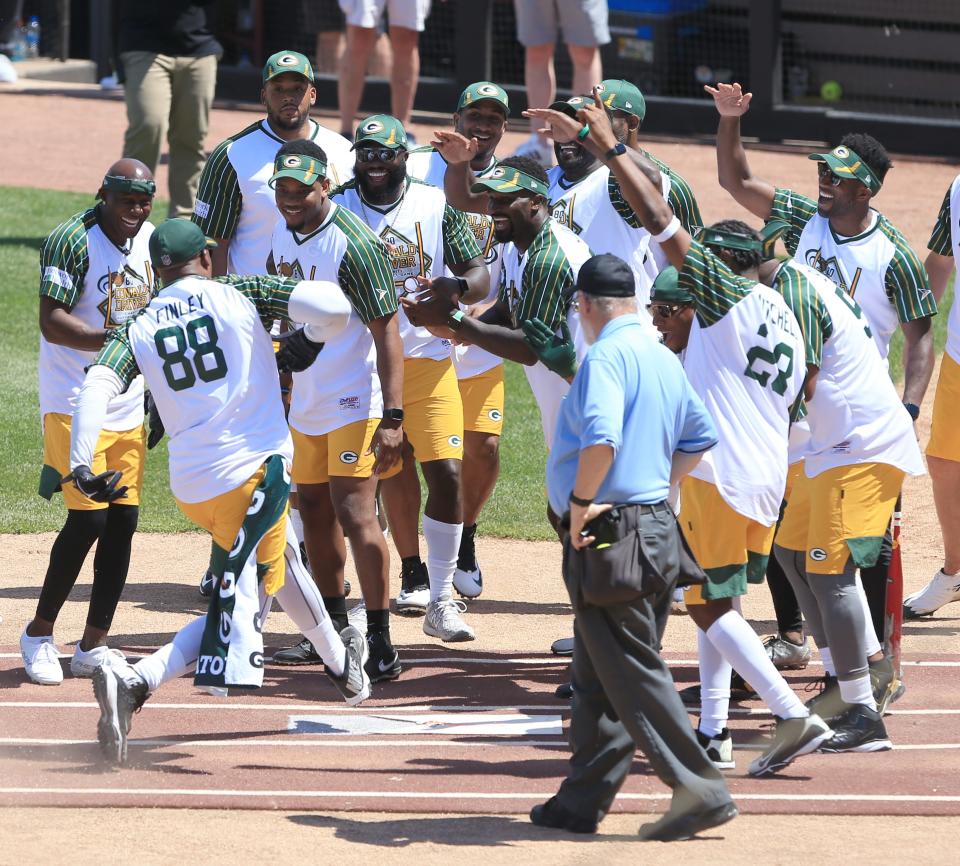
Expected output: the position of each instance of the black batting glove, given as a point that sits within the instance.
(99, 488)
(156, 422)
(297, 351)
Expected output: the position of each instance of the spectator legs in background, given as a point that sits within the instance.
(539, 78)
(147, 92)
(194, 81)
(405, 73)
(353, 71)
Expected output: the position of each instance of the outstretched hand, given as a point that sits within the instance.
(100, 488)
(454, 147)
(562, 128)
(729, 99)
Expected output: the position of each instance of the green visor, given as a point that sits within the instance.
(129, 184)
(666, 288)
(484, 90)
(506, 178)
(729, 240)
(177, 241)
(846, 164)
(304, 169)
(620, 95)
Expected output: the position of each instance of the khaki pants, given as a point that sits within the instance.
(169, 97)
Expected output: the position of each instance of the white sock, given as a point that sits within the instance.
(827, 658)
(301, 601)
(870, 638)
(443, 548)
(714, 687)
(740, 645)
(858, 691)
(175, 659)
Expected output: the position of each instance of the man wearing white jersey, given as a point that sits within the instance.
(943, 450)
(424, 236)
(743, 350)
(95, 274)
(858, 248)
(343, 410)
(203, 351)
(861, 445)
(235, 204)
(481, 114)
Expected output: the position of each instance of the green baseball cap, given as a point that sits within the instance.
(381, 129)
(571, 106)
(846, 164)
(666, 288)
(300, 167)
(506, 178)
(177, 241)
(480, 91)
(287, 61)
(618, 94)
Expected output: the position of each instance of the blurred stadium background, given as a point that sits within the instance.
(810, 63)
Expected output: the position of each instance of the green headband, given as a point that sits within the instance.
(118, 183)
(848, 165)
(506, 178)
(729, 240)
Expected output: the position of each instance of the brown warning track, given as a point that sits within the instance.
(189, 749)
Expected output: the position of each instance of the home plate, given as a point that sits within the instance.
(448, 724)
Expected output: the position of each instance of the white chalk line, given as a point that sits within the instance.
(340, 796)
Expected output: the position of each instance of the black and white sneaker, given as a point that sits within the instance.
(828, 704)
(302, 653)
(207, 584)
(887, 686)
(414, 595)
(719, 748)
(792, 738)
(354, 682)
(120, 692)
(467, 577)
(383, 661)
(859, 730)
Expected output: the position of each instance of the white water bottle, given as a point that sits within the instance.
(33, 37)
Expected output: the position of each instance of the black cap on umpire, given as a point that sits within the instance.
(606, 276)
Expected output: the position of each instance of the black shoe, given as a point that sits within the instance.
(739, 691)
(564, 691)
(859, 730)
(673, 828)
(886, 685)
(562, 646)
(301, 654)
(414, 595)
(552, 814)
(384, 661)
(719, 748)
(207, 584)
(828, 704)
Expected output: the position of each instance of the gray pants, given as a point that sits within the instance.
(832, 609)
(624, 699)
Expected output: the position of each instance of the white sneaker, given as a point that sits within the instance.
(83, 664)
(357, 616)
(943, 589)
(719, 748)
(120, 692)
(538, 149)
(41, 660)
(443, 621)
(469, 584)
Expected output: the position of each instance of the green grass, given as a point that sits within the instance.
(516, 510)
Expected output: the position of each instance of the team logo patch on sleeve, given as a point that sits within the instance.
(201, 209)
(349, 457)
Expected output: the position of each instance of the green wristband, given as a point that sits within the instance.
(583, 133)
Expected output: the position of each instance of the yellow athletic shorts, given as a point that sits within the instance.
(945, 428)
(340, 452)
(432, 411)
(223, 516)
(842, 512)
(731, 548)
(123, 450)
(483, 399)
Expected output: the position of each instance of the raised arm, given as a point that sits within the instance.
(733, 171)
(457, 151)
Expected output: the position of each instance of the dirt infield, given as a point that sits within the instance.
(428, 798)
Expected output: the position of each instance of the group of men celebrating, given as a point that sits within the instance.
(395, 280)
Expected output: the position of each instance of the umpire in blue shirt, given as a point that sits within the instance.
(630, 425)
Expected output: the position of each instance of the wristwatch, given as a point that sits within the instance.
(393, 415)
(455, 320)
(617, 150)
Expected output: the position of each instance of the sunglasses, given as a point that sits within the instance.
(376, 154)
(823, 170)
(664, 311)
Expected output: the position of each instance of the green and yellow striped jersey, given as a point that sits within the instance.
(940, 241)
(65, 258)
